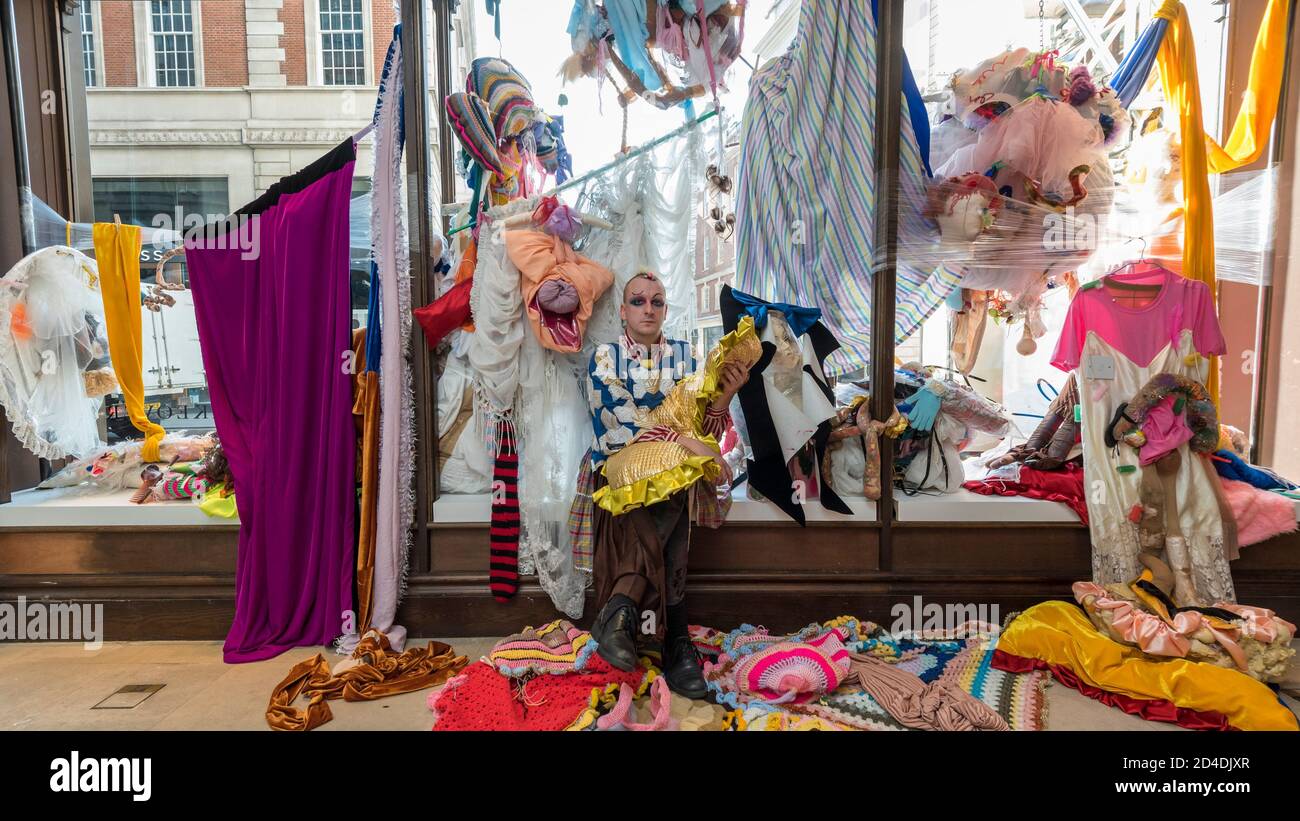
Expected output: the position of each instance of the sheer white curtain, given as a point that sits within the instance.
(652, 201)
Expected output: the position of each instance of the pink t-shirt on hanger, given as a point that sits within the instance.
(1140, 333)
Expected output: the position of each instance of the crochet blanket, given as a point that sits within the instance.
(961, 657)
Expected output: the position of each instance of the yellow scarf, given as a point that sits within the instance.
(1251, 130)
(1201, 154)
(1177, 61)
(117, 255)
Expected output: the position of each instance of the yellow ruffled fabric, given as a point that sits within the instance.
(741, 345)
(1060, 633)
(656, 488)
(683, 410)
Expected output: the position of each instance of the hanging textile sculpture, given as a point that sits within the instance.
(390, 277)
(1023, 177)
(699, 38)
(790, 408)
(507, 140)
(275, 330)
(1177, 61)
(525, 397)
(1201, 155)
(559, 288)
(117, 255)
(806, 198)
(51, 341)
(521, 392)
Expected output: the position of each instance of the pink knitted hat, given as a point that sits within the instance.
(790, 672)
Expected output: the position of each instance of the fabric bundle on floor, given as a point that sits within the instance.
(556, 648)
(1058, 636)
(481, 698)
(622, 707)
(274, 323)
(937, 681)
(373, 672)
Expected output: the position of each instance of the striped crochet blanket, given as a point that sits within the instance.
(556, 648)
(961, 657)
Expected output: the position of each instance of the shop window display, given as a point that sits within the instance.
(644, 301)
(145, 172)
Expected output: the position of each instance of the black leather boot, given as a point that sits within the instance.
(615, 633)
(682, 667)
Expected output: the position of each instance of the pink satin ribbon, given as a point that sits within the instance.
(1154, 636)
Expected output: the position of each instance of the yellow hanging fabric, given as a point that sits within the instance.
(1177, 61)
(117, 255)
(1251, 130)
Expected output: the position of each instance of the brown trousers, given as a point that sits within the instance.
(642, 554)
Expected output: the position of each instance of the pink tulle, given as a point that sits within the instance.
(1041, 139)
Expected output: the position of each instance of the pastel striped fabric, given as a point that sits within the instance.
(806, 187)
(557, 648)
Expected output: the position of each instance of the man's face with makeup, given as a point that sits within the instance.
(644, 309)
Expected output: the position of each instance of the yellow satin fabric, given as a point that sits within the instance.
(644, 473)
(1254, 124)
(619, 499)
(1060, 633)
(1177, 61)
(379, 673)
(117, 255)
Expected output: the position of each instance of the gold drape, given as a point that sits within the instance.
(365, 406)
(380, 673)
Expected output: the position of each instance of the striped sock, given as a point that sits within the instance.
(503, 576)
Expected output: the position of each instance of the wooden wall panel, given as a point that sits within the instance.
(179, 584)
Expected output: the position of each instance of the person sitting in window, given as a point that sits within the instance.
(639, 558)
